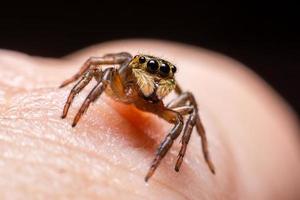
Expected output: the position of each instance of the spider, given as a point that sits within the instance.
(143, 81)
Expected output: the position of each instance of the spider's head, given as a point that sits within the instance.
(154, 76)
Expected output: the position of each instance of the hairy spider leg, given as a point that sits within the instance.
(185, 138)
(108, 59)
(87, 77)
(92, 68)
(94, 94)
(171, 117)
(110, 77)
(166, 144)
(193, 119)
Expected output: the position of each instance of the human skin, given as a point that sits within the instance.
(253, 135)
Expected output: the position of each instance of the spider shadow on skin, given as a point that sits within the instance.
(135, 128)
(147, 129)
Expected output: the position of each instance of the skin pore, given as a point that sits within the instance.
(253, 136)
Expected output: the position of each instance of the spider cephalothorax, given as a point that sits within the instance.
(142, 81)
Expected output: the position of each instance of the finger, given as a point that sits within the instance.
(122, 142)
(118, 143)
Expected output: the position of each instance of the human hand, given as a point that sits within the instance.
(252, 133)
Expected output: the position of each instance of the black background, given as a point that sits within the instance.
(264, 37)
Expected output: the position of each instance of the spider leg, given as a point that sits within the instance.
(201, 132)
(179, 101)
(173, 117)
(108, 59)
(78, 87)
(93, 95)
(184, 110)
(193, 120)
(185, 139)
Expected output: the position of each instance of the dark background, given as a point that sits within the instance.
(265, 37)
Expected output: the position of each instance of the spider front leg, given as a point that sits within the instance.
(87, 77)
(89, 70)
(108, 59)
(94, 94)
(172, 117)
(190, 123)
(186, 105)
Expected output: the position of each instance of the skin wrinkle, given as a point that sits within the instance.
(102, 158)
(58, 154)
(65, 146)
(53, 167)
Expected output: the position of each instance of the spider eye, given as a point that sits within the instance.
(152, 66)
(174, 69)
(164, 69)
(142, 59)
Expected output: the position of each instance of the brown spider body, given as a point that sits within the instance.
(142, 81)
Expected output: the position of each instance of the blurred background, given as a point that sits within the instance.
(263, 36)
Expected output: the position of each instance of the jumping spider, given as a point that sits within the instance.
(143, 81)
